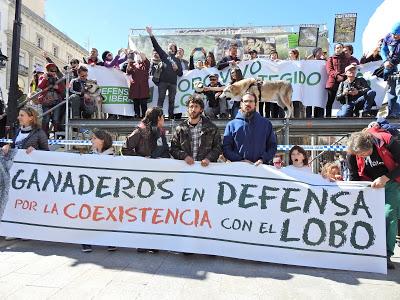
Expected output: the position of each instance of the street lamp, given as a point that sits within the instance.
(3, 60)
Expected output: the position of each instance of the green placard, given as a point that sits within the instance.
(293, 40)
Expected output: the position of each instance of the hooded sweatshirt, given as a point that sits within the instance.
(250, 139)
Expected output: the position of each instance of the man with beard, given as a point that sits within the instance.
(197, 138)
(249, 137)
(172, 68)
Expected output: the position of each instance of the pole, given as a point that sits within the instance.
(67, 136)
(12, 95)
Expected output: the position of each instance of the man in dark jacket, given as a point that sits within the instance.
(374, 155)
(354, 94)
(197, 138)
(79, 99)
(172, 68)
(231, 60)
(249, 137)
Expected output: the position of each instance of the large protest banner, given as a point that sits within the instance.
(234, 210)
(308, 78)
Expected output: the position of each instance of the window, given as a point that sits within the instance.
(22, 58)
(55, 50)
(69, 57)
(39, 41)
(23, 31)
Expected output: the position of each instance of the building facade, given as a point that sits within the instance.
(37, 37)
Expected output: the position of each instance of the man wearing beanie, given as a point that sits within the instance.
(391, 56)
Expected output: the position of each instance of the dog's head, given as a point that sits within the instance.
(238, 88)
(91, 86)
(198, 86)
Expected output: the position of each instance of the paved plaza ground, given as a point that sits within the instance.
(44, 270)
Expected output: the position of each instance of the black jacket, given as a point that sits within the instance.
(37, 139)
(224, 62)
(167, 74)
(210, 144)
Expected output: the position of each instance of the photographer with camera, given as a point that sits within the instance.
(51, 96)
(354, 94)
(199, 63)
(138, 69)
(80, 99)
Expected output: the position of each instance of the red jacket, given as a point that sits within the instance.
(43, 84)
(335, 66)
(383, 139)
(139, 87)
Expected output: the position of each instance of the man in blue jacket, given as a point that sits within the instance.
(249, 137)
(390, 53)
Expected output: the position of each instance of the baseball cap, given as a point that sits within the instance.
(351, 66)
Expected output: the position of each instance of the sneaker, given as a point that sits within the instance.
(87, 248)
(10, 238)
(141, 250)
(153, 250)
(367, 114)
(111, 248)
(390, 264)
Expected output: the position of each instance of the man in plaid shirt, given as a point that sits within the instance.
(197, 138)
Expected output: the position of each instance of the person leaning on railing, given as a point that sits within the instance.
(49, 98)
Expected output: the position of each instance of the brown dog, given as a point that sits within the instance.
(279, 90)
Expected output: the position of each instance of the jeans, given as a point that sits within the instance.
(364, 102)
(55, 115)
(140, 107)
(392, 95)
(163, 87)
(78, 107)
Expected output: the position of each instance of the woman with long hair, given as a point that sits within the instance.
(30, 135)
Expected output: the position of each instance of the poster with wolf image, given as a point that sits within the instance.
(218, 42)
(345, 28)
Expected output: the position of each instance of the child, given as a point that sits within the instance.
(101, 145)
(298, 160)
(331, 171)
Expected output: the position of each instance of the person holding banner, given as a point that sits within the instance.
(101, 145)
(197, 138)
(374, 155)
(29, 136)
(148, 139)
(172, 68)
(249, 137)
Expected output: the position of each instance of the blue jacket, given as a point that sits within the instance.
(250, 139)
(391, 50)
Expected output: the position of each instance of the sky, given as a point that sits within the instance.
(105, 24)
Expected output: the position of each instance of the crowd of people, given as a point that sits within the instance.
(47, 88)
(373, 154)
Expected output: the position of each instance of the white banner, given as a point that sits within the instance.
(234, 210)
(308, 78)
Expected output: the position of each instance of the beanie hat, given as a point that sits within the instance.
(396, 28)
(104, 55)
